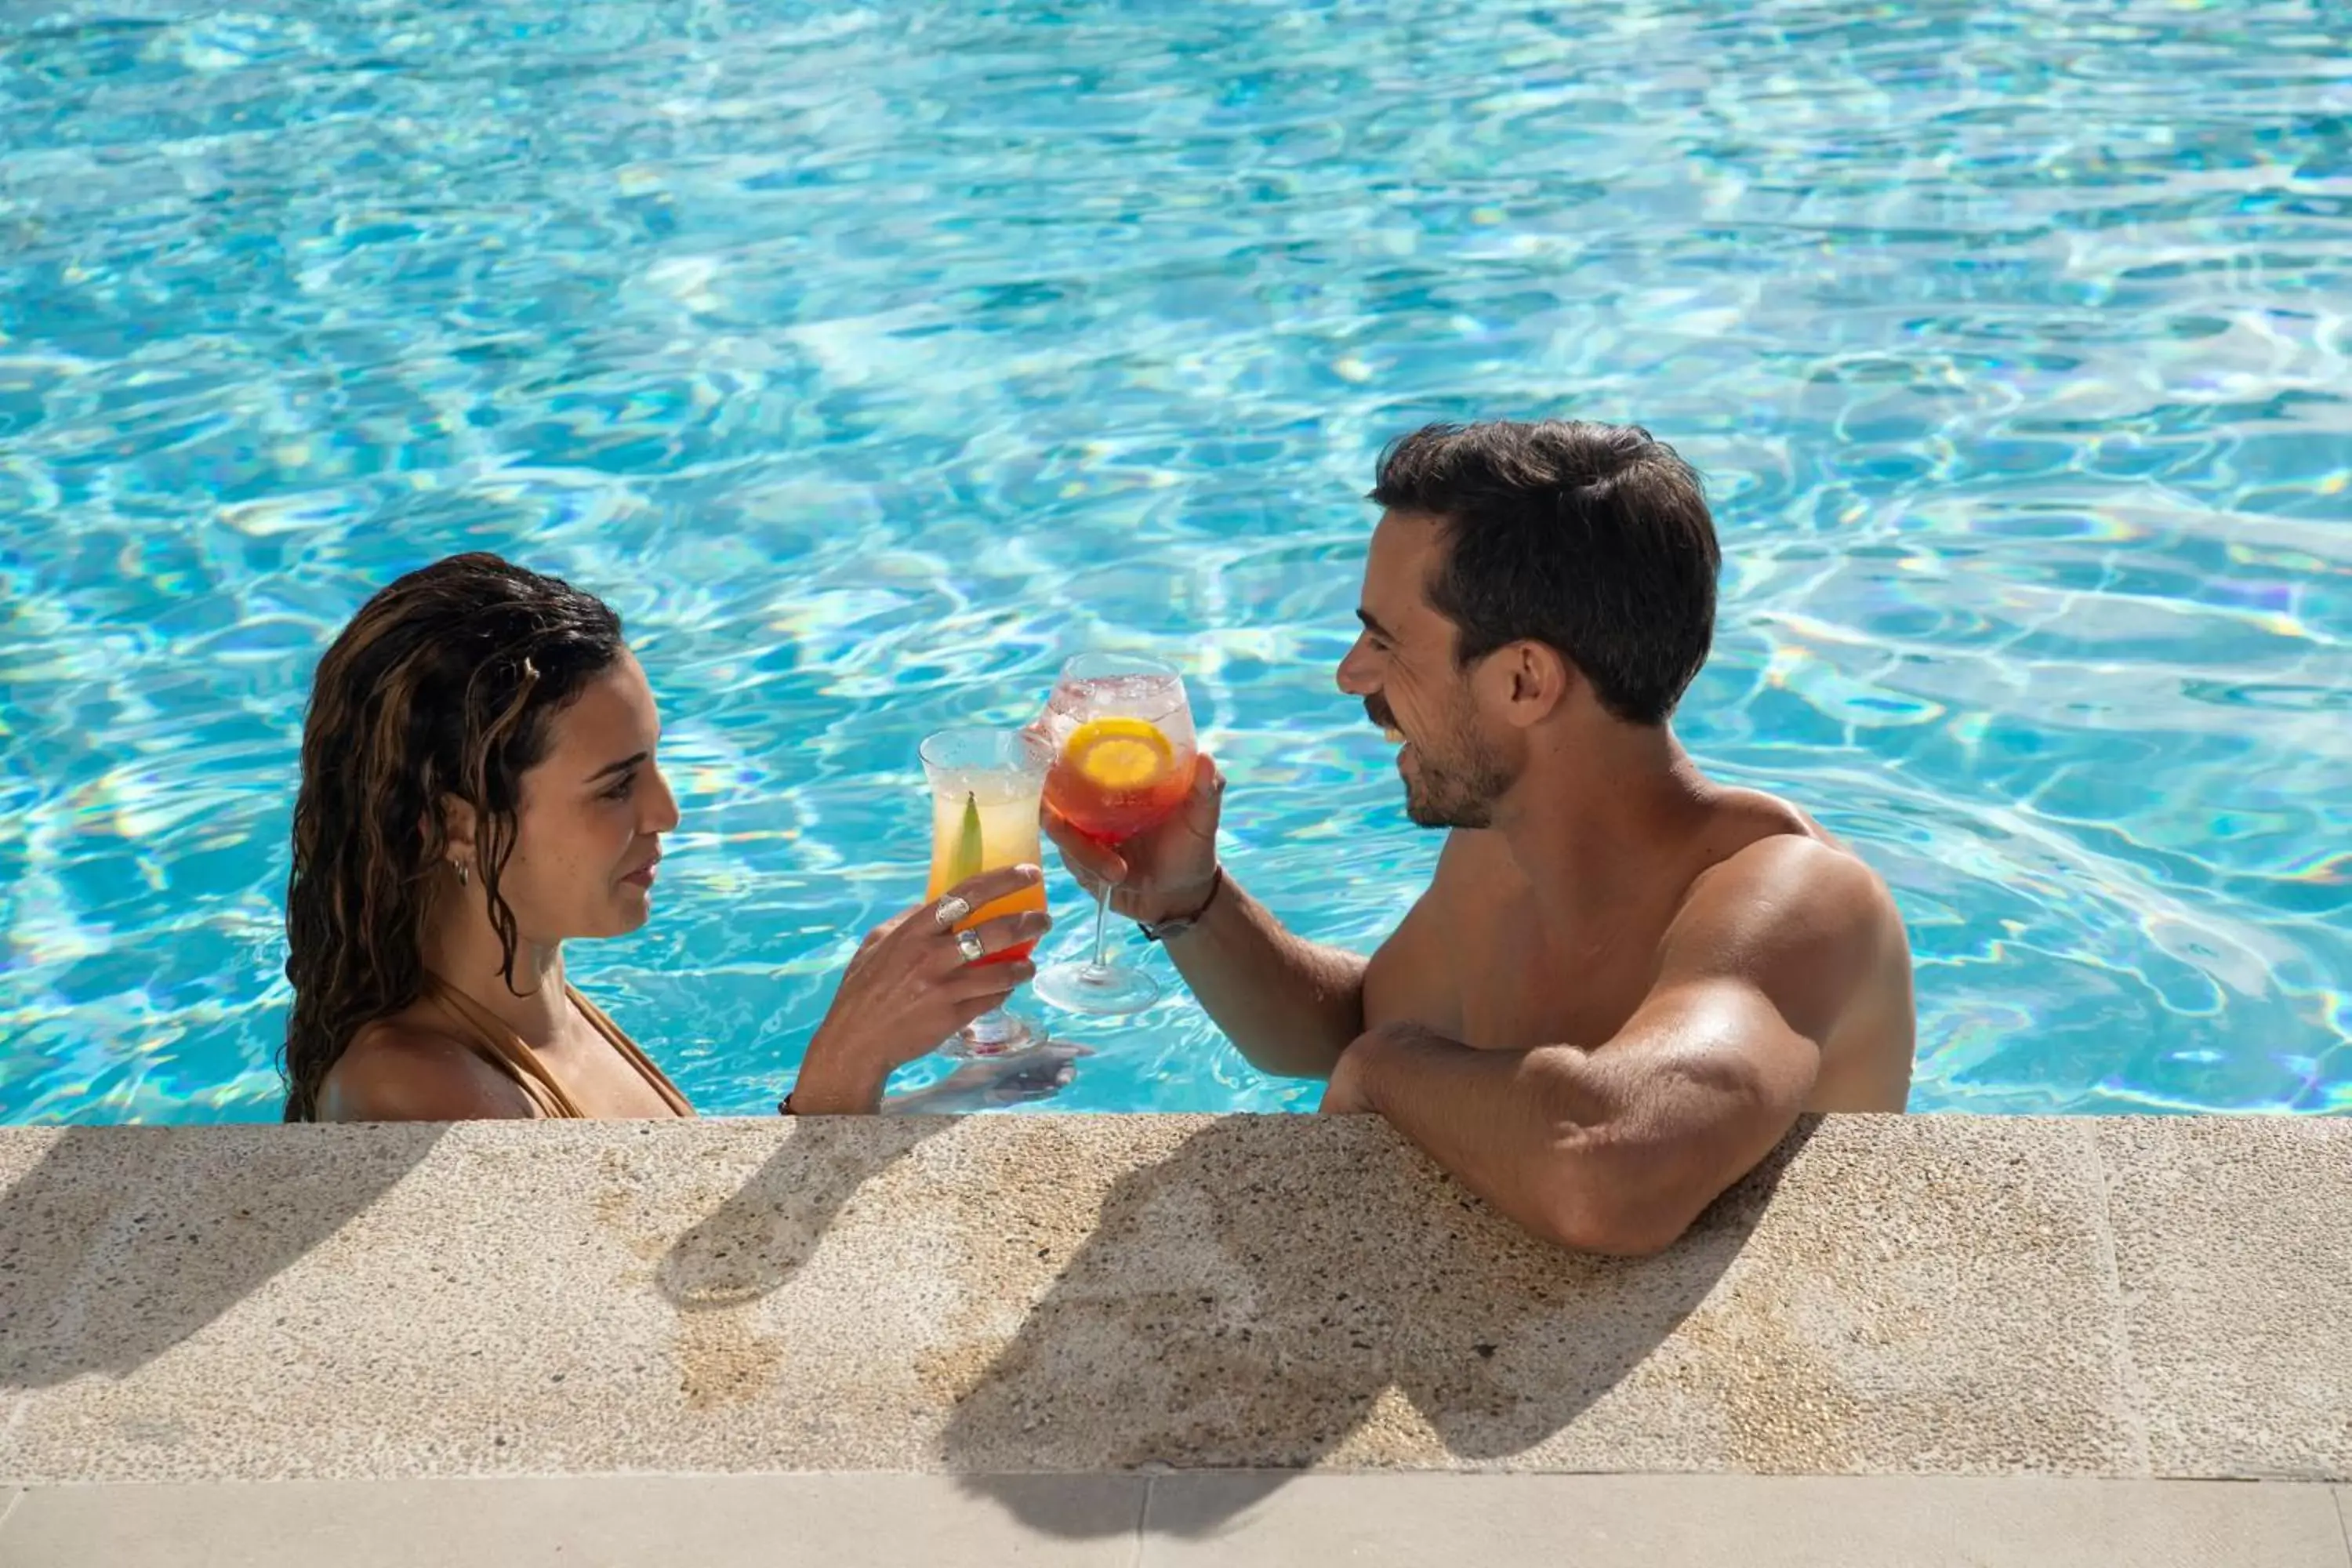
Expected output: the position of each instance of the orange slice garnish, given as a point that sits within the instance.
(1119, 754)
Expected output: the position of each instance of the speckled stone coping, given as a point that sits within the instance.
(2157, 1298)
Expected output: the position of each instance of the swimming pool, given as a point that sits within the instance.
(871, 359)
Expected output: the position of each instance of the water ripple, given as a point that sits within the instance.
(872, 359)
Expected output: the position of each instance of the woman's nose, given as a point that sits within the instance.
(662, 813)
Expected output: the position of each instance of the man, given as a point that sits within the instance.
(1624, 983)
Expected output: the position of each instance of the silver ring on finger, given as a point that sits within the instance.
(967, 942)
(952, 909)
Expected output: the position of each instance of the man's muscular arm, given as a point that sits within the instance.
(1289, 1005)
(1619, 1148)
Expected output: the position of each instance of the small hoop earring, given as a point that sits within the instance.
(458, 867)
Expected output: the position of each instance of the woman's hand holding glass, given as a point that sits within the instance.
(915, 982)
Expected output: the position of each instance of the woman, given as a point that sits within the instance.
(479, 787)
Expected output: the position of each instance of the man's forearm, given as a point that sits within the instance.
(1290, 1005)
(1526, 1130)
(1572, 1144)
(1485, 1116)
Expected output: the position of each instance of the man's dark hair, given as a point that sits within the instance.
(1593, 539)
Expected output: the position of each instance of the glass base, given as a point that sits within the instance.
(1105, 990)
(997, 1033)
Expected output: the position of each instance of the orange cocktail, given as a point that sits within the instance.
(1114, 777)
(982, 822)
(1121, 730)
(984, 791)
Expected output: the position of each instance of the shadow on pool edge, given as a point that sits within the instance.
(1229, 1315)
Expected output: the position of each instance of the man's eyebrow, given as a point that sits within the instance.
(1373, 623)
(624, 765)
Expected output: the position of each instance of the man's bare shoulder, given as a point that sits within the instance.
(401, 1070)
(1806, 922)
(1750, 836)
(1798, 889)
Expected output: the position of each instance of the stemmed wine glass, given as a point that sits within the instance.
(1123, 746)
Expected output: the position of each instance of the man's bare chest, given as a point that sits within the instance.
(1498, 979)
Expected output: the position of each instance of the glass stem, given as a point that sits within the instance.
(1102, 921)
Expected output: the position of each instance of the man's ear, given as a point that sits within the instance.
(1527, 681)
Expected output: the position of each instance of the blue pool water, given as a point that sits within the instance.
(870, 359)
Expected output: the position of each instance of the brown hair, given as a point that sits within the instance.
(1594, 539)
(442, 686)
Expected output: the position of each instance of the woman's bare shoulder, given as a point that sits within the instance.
(400, 1070)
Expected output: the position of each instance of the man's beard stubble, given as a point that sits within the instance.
(1457, 790)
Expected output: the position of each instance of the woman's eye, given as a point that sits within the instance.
(619, 791)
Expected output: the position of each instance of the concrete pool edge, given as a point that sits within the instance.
(2157, 1298)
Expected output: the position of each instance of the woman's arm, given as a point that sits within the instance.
(908, 989)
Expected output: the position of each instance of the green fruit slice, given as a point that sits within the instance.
(966, 864)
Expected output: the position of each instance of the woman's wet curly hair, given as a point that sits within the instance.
(442, 687)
